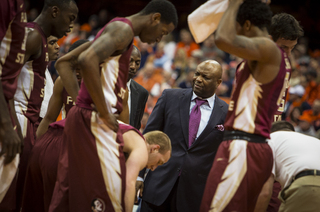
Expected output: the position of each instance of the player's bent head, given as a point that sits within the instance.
(159, 149)
(61, 14)
(255, 13)
(77, 44)
(163, 20)
(166, 9)
(285, 30)
(281, 126)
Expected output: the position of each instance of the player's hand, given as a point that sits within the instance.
(10, 144)
(111, 121)
(139, 187)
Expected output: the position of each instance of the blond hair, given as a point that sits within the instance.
(159, 138)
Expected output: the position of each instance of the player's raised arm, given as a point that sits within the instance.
(116, 39)
(232, 24)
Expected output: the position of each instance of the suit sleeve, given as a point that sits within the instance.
(145, 95)
(157, 117)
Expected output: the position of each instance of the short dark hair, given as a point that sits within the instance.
(257, 12)
(58, 3)
(77, 44)
(165, 8)
(285, 26)
(159, 138)
(281, 126)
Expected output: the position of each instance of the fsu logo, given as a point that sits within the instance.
(97, 205)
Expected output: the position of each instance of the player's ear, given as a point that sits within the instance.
(154, 148)
(155, 19)
(247, 25)
(55, 11)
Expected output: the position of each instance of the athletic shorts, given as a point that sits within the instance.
(96, 165)
(238, 173)
(42, 171)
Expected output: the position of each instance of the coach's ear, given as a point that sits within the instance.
(154, 148)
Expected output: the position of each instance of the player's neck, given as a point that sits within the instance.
(42, 21)
(138, 22)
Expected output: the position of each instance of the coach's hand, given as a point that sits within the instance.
(10, 144)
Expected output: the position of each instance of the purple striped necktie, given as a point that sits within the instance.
(194, 120)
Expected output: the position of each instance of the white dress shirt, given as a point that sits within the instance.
(129, 96)
(206, 110)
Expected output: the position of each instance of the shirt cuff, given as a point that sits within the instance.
(140, 179)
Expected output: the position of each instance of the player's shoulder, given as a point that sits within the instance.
(118, 25)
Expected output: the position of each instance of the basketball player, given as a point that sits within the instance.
(53, 52)
(243, 162)
(285, 30)
(56, 19)
(104, 67)
(43, 163)
(12, 49)
(60, 99)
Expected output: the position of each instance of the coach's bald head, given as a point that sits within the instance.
(207, 78)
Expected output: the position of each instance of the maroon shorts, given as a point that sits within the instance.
(238, 173)
(96, 166)
(42, 171)
(13, 197)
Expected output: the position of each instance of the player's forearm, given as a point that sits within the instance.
(129, 195)
(68, 77)
(5, 119)
(226, 31)
(264, 196)
(43, 127)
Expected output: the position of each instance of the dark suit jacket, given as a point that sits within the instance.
(139, 96)
(171, 115)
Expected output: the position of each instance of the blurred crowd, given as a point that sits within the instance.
(172, 63)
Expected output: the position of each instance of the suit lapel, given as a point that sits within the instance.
(184, 102)
(134, 100)
(213, 121)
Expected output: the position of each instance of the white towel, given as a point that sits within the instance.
(205, 19)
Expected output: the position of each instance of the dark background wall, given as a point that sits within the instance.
(306, 11)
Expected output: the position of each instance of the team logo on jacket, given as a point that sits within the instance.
(98, 205)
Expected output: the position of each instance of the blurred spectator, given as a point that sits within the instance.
(90, 28)
(144, 121)
(314, 114)
(210, 50)
(294, 100)
(32, 14)
(188, 80)
(149, 77)
(180, 63)
(68, 40)
(295, 78)
(102, 18)
(227, 82)
(145, 49)
(160, 57)
(305, 126)
(151, 102)
(294, 116)
(186, 42)
(170, 46)
(311, 87)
